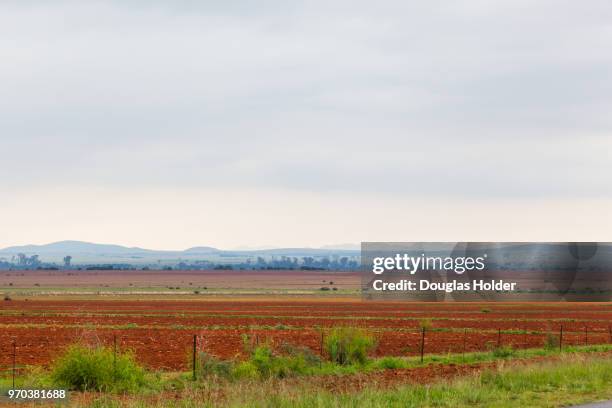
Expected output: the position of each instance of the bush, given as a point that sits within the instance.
(301, 352)
(551, 342)
(83, 368)
(264, 363)
(348, 345)
(503, 352)
(262, 359)
(208, 365)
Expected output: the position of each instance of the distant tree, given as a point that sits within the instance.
(308, 260)
(67, 260)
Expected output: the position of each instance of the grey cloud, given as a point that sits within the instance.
(505, 98)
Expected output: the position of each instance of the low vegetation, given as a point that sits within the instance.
(349, 345)
(572, 380)
(84, 368)
(98, 368)
(551, 342)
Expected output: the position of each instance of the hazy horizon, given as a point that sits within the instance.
(345, 246)
(288, 124)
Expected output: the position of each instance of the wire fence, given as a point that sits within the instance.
(13, 370)
(417, 342)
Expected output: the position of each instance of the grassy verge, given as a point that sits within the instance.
(571, 380)
(298, 362)
(503, 353)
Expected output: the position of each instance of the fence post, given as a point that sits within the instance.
(14, 361)
(609, 334)
(586, 335)
(422, 342)
(498, 338)
(525, 336)
(194, 357)
(561, 338)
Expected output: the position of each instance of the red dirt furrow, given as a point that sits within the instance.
(167, 346)
(169, 349)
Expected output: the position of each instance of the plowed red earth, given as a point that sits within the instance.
(161, 332)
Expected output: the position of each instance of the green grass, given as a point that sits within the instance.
(502, 353)
(546, 385)
(571, 380)
(95, 369)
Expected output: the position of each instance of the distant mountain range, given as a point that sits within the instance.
(92, 252)
(72, 246)
(86, 253)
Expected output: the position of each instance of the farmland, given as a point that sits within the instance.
(172, 282)
(158, 315)
(160, 331)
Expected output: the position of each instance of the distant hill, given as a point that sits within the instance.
(87, 252)
(201, 250)
(73, 247)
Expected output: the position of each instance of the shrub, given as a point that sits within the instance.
(485, 310)
(7, 298)
(503, 352)
(264, 363)
(208, 365)
(83, 368)
(551, 342)
(262, 359)
(349, 345)
(302, 352)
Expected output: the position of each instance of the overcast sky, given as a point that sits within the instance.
(283, 123)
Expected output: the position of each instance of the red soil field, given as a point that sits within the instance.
(161, 331)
